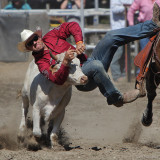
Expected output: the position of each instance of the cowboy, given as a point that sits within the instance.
(96, 66)
(53, 42)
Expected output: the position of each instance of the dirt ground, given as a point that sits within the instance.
(93, 130)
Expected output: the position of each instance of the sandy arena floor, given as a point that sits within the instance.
(94, 130)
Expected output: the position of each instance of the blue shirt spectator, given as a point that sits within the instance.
(17, 4)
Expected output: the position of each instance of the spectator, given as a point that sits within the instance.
(145, 9)
(72, 4)
(117, 20)
(17, 4)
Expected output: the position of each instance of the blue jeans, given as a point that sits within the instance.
(97, 65)
(143, 42)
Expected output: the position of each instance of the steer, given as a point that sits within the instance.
(48, 99)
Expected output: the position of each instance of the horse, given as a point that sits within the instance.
(151, 75)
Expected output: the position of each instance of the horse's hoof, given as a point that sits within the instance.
(146, 121)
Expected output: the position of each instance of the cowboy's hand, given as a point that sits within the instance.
(69, 55)
(80, 48)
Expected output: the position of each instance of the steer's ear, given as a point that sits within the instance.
(53, 68)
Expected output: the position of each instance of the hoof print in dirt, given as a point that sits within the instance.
(68, 148)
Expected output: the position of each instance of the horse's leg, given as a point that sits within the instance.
(151, 94)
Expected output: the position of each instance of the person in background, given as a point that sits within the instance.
(17, 4)
(117, 20)
(145, 9)
(72, 4)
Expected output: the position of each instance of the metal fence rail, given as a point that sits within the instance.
(67, 12)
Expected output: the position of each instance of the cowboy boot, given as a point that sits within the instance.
(142, 90)
(141, 87)
(130, 96)
(156, 14)
(127, 97)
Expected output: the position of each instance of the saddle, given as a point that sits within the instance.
(143, 60)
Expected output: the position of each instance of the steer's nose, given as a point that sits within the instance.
(84, 79)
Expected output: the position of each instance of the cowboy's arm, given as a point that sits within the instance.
(72, 28)
(58, 77)
(76, 32)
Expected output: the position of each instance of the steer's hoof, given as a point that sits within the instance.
(33, 144)
(33, 147)
(20, 139)
(147, 120)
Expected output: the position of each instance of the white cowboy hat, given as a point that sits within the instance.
(25, 36)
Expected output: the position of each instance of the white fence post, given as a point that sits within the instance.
(82, 16)
(96, 18)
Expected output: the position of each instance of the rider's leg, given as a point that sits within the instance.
(107, 47)
(104, 52)
(97, 76)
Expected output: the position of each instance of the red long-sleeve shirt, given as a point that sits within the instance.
(56, 41)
